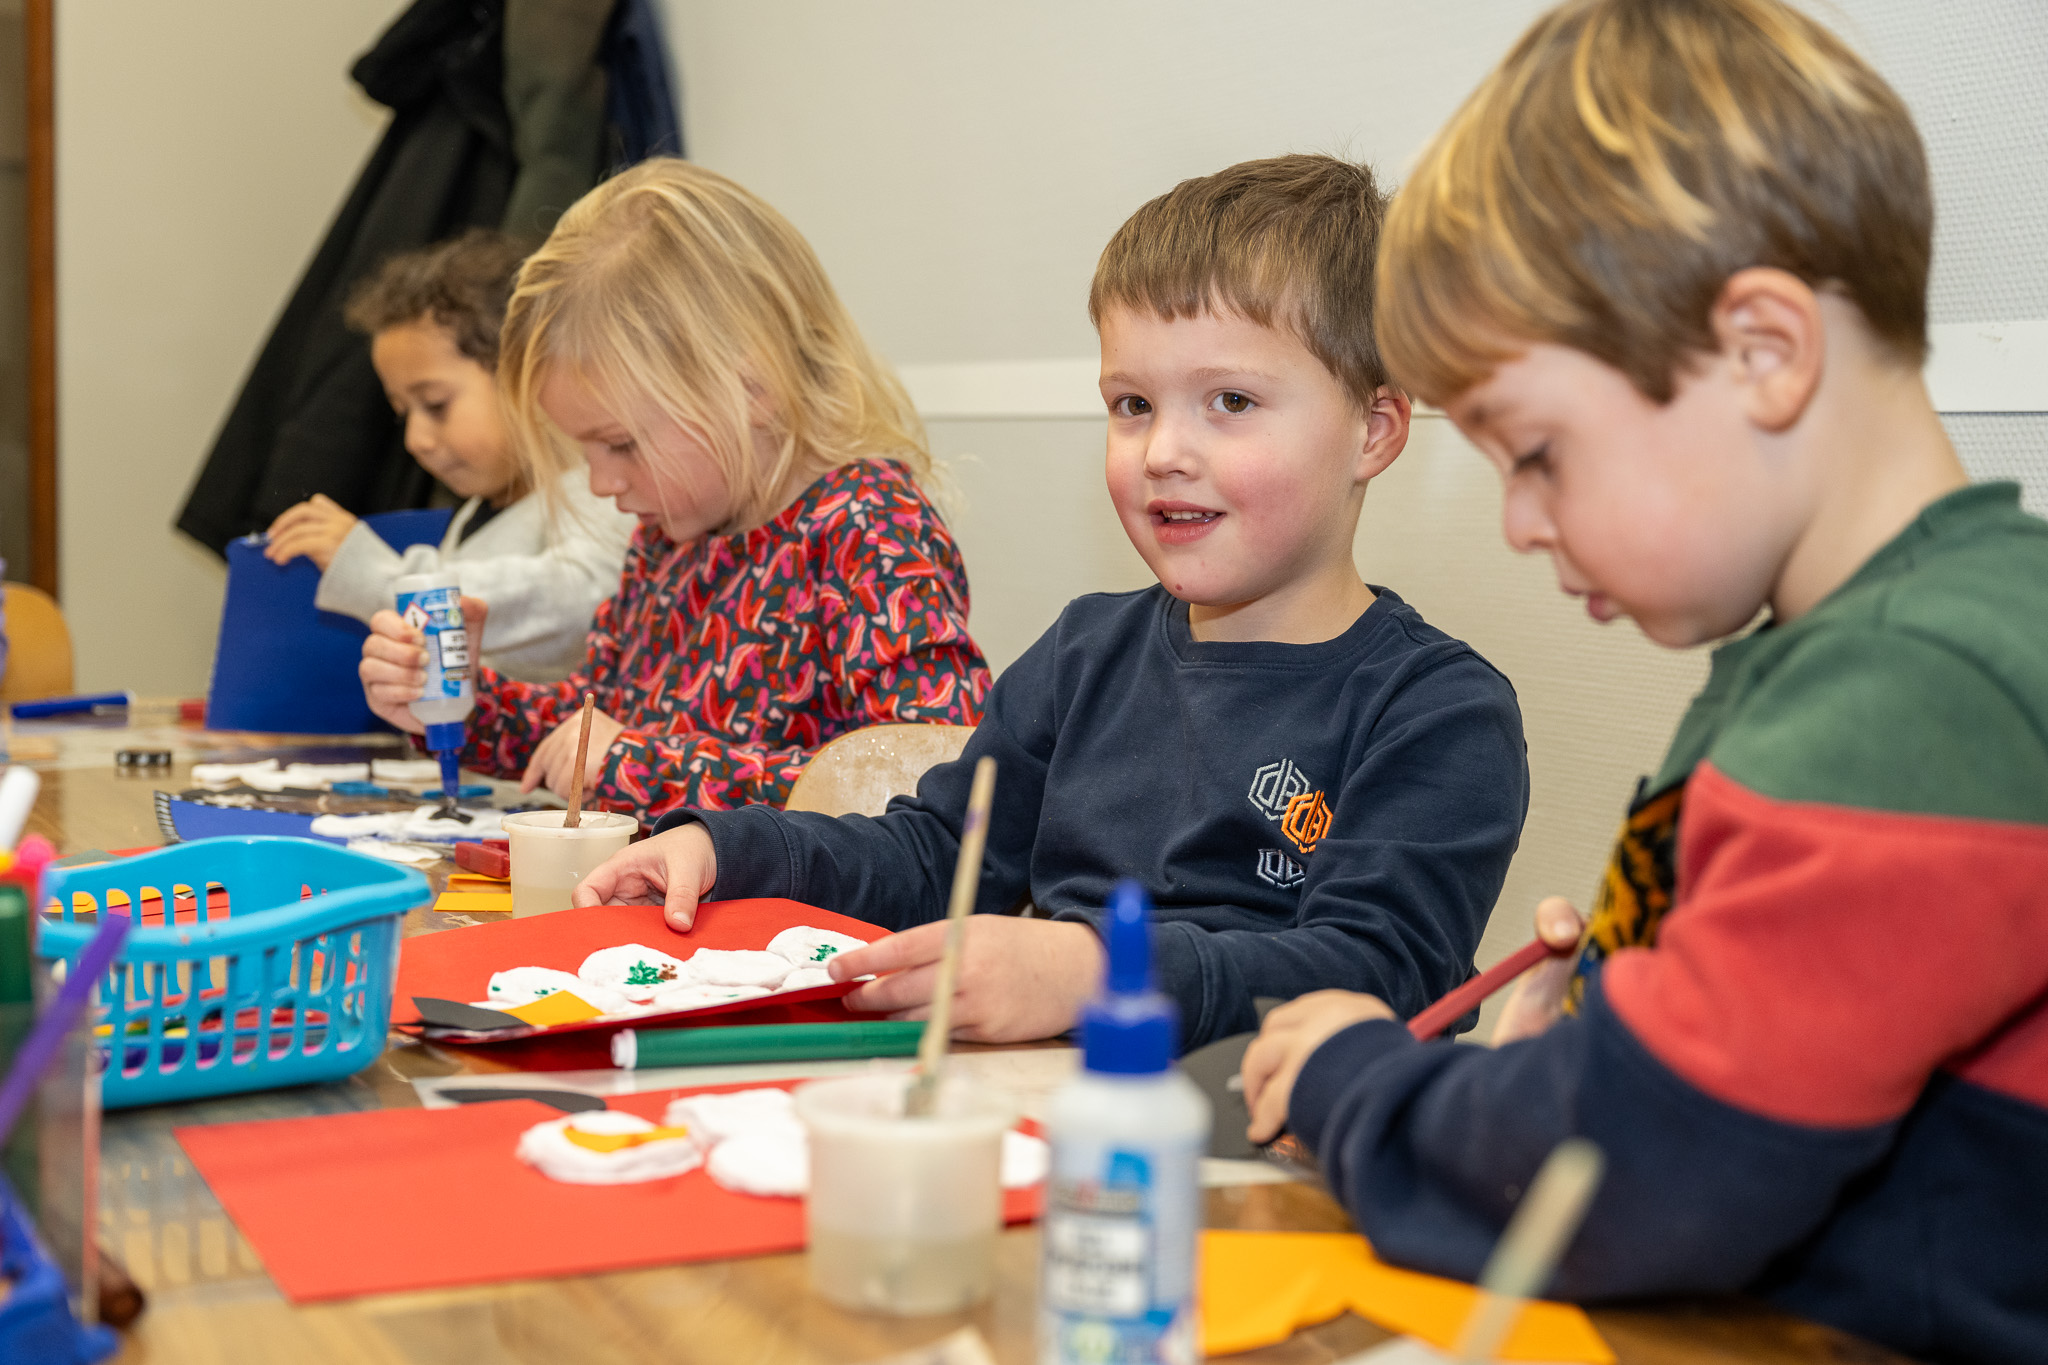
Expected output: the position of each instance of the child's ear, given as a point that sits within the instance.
(1386, 431)
(1770, 332)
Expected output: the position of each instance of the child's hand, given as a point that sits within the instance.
(672, 870)
(1538, 998)
(554, 758)
(1291, 1034)
(394, 666)
(1018, 979)
(393, 670)
(315, 528)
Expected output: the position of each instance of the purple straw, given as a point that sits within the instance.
(48, 1034)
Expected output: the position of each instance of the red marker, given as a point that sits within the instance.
(1456, 1003)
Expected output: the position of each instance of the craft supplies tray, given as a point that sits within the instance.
(272, 964)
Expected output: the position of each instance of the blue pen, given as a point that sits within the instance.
(73, 706)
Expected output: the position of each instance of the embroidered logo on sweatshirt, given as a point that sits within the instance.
(1277, 869)
(1276, 784)
(1306, 820)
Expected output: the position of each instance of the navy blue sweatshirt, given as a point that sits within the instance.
(1306, 817)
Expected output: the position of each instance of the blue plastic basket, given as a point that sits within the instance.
(287, 982)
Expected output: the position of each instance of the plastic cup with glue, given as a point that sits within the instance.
(431, 603)
(1123, 1204)
(903, 1212)
(548, 860)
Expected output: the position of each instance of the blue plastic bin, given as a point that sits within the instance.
(287, 983)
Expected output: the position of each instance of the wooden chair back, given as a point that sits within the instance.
(38, 646)
(858, 772)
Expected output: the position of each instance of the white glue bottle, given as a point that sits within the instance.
(1123, 1204)
(431, 603)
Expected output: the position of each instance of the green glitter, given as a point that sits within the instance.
(642, 974)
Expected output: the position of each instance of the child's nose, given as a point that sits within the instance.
(1526, 524)
(1169, 449)
(419, 435)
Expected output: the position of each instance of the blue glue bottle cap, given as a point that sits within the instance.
(446, 737)
(1129, 1028)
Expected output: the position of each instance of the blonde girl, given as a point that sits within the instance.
(790, 579)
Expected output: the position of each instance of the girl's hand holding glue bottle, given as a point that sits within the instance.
(397, 666)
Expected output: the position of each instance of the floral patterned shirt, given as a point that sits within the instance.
(731, 659)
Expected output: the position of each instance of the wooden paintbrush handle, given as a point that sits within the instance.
(574, 819)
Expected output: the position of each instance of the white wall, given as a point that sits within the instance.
(201, 149)
(959, 167)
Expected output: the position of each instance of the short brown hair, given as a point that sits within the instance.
(1286, 242)
(462, 284)
(1627, 158)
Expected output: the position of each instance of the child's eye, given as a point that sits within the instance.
(1130, 405)
(435, 410)
(1231, 401)
(1536, 461)
(619, 449)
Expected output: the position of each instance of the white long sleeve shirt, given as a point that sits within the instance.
(542, 582)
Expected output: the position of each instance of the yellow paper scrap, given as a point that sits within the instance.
(474, 903)
(562, 1007)
(1259, 1288)
(476, 881)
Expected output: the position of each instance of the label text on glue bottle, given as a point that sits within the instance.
(1115, 1292)
(437, 614)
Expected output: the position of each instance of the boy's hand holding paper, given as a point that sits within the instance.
(1018, 979)
(674, 869)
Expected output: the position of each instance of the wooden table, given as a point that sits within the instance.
(210, 1301)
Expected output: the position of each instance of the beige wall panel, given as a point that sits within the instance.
(201, 150)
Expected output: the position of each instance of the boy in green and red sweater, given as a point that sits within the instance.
(1668, 269)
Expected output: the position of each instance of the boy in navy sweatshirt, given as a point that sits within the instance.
(1668, 270)
(1319, 788)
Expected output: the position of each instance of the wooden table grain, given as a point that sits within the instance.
(210, 1302)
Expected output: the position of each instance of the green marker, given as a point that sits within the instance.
(635, 1048)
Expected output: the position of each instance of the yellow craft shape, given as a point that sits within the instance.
(477, 881)
(619, 1142)
(475, 903)
(562, 1007)
(1259, 1288)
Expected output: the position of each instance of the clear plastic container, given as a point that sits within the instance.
(548, 860)
(903, 1213)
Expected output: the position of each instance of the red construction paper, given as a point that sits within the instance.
(401, 1199)
(456, 964)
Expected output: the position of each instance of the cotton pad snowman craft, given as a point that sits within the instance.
(608, 1147)
(633, 980)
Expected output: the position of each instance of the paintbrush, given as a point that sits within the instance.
(574, 819)
(919, 1100)
(1528, 1252)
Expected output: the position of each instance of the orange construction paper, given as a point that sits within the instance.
(1259, 1288)
(457, 964)
(477, 881)
(391, 1200)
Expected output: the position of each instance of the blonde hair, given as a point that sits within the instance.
(1625, 159)
(1287, 242)
(672, 287)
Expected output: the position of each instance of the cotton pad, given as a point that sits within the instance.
(718, 1117)
(524, 985)
(806, 978)
(771, 1162)
(809, 947)
(691, 996)
(633, 970)
(608, 1147)
(1026, 1159)
(719, 967)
